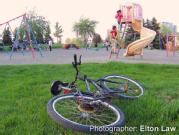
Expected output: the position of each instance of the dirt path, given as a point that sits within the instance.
(62, 56)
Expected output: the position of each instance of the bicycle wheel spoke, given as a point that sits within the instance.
(117, 85)
(106, 121)
(69, 114)
(97, 120)
(126, 87)
(68, 108)
(135, 91)
(74, 116)
(82, 121)
(74, 112)
(68, 102)
(78, 118)
(86, 121)
(131, 91)
(104, 116)
(90, 122)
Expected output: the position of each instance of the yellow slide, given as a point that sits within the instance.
(146, 37)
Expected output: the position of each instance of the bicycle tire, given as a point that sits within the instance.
(60, 119)
(122, 95)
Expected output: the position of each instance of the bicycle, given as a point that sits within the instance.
(80, 110)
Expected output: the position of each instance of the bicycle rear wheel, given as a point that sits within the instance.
(127, 87)
(66, 111)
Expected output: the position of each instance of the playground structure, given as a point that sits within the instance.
(30, 36)
(172, 44)
(132, 15)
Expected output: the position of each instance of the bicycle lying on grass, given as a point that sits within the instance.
(79, 110)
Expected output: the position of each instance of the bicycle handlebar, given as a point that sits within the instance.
(75, 63)
(75, 59)
(80, 60)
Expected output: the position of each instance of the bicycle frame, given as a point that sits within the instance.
(90, 106)
(88, 81)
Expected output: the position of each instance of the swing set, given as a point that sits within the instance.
(30, 36)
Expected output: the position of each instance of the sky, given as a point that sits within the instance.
(66, 12)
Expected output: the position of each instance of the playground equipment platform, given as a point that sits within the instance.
(132, 14)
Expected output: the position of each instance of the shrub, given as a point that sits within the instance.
(76, 41)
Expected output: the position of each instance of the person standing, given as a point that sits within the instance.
(50, 44)
(115, 46)
(107, 44)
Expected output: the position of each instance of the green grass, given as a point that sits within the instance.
(24, 93)
(5, 48)
(56, 45)
(42, 46)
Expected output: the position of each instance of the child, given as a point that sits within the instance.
(114, 44)
(106, 44)
(119, 17)
(113, 33)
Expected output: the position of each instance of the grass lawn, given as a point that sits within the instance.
(7, 48)
(24, 93)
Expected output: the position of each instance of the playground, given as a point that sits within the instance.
(129, 17)
(63, 56)
(51, 91)
(24, 42)
(28, 40)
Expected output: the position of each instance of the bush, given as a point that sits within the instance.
(5, 48)
(67, 46)
(56, 45)
(76, 41)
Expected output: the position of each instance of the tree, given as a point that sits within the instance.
(7, 36)
(1, 40)
(47, 34)
(165, 30)
(148, 24)
(96, 39)
(131, 35)
(156, 28)
(154, 25)
(84, 28)
(39, 25)
(58, 32)
(21, 33)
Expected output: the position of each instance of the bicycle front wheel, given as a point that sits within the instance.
(126, 87)
(66, 111)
